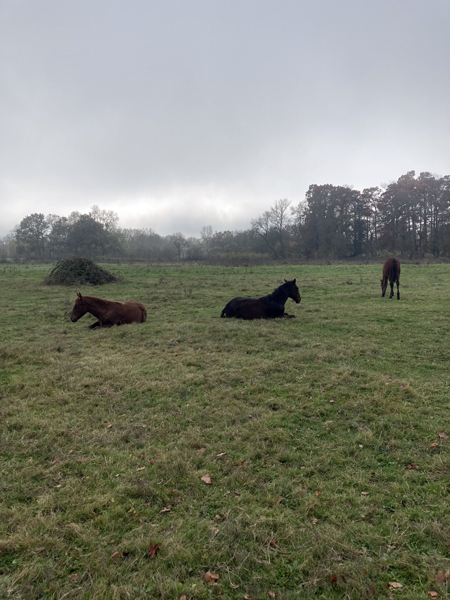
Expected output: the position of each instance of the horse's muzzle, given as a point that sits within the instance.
(74, 319)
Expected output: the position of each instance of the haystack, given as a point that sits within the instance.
(78, 271)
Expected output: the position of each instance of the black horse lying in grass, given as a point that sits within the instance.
(268, 307)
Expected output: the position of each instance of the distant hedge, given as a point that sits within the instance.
(78, 271)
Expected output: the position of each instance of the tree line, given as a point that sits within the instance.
(409, 218)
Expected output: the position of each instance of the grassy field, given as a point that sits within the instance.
(324, 438)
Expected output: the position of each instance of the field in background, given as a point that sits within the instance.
(324, 438)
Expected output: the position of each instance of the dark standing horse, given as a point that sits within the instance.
(268, 307)
(108, 312)
(391, 272)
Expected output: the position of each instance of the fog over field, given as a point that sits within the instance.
(182, 114)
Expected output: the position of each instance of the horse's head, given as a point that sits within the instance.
(78, 309)
(383, 282)
(293, 291)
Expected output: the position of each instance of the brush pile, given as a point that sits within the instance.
(78, 271)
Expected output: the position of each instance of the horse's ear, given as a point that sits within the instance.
(79, 295)
(285, 281)
(294, 281)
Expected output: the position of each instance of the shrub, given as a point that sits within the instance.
(78, 271)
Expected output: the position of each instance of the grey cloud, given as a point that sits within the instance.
(176, 106)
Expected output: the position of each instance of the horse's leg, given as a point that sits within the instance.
(98, 323)
(398, 291)
(392, 289)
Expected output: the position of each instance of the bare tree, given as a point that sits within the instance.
(108, 218)
(180, 243)
(271, 227)
(206, 235)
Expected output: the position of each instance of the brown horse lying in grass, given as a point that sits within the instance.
(267, 307)
(107, 312)
(391, 272)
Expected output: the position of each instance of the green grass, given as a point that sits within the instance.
(306, 427)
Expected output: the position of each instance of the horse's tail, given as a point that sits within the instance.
(395, 273)
(143, 314)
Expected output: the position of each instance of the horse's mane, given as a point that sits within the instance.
(279, 293)
(101, 300)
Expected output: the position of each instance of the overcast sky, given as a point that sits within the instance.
(182, 113)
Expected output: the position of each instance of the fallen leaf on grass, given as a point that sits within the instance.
(314, 521)
(109, 426)
(221, 454)
(74, 576)
(153, 550)
(273, 543)
(394, 585)
(434, 445)
(441, 576)
(234, 585)
(443, 436)
(207, 479)
(410, 467)
(183, 597)
(167, 509)
(334, 579)
(211, 578)
(318, 492)
(116, 553)
(364, 493)
(433, 594)
(140, 469)
(271, 594)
